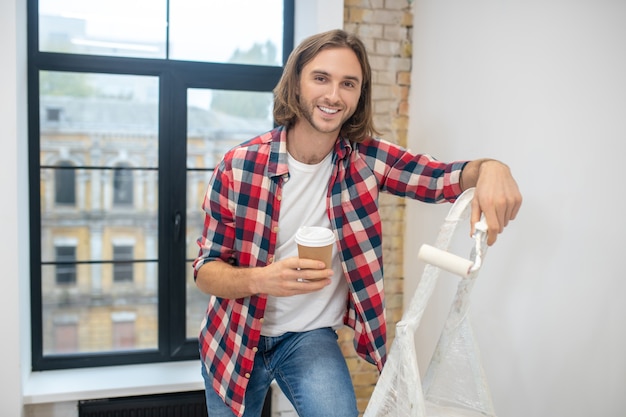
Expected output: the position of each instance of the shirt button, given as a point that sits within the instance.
(279, 197)
(262, 319)
(255, 349)
(247, 375)
(275, 229)
(270, 259)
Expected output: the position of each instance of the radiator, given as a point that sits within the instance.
(180, 404)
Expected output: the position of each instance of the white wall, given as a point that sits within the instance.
(314, 16)
(540, 85)
(13, 216)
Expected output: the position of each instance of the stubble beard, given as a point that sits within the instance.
(307, 109)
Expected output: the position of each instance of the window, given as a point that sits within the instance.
(123, 186)
(53, 115)
(65, 265)
(122, 263)
(125, 128)
(65, 184)
(123, 325)
(66, 335)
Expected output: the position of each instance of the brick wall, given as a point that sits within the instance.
(385, 26)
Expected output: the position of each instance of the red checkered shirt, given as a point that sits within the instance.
(242, 207)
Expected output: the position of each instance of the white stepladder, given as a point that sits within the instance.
(454, 384)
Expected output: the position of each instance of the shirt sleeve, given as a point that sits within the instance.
(218, 232)
(407, 174)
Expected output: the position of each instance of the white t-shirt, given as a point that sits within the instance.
(304, 204)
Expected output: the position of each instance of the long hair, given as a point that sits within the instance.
(286, 106)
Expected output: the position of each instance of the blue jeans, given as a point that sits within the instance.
(308, 367)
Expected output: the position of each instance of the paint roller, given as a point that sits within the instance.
(454, 263)
(445, 260)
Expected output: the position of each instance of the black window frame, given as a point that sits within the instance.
(175, 77)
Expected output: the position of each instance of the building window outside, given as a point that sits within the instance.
(65, 184)
(122, 263)
(53, 114)
(65, 336)
(123, 330)
(122, 186)
(66, 265)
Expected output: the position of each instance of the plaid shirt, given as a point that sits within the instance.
(242, 208)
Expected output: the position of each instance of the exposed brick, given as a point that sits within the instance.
(403, 108)
(406, 50)
(388, 48)
(383, 124)
(359, 15)
(387, 17)
(400, 123)
(407, 19)
(365, 378)
(363, 391)
(379, 63)
(401, 92)
(370, 31)
(384, 77)
(397, 4)
(403, 78)
(395, 32)
(356, 3)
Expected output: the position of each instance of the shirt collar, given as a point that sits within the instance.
(278, 151)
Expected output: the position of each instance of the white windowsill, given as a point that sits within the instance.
(113, 381)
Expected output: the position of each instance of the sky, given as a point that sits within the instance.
(212, 28)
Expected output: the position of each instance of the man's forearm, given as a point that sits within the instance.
(224, 280)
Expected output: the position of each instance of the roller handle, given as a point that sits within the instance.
(445, 260)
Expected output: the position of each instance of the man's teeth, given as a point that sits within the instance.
(327, 110)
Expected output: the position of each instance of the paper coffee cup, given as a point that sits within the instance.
(316, 243)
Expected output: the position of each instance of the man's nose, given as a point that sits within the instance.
(332, 92)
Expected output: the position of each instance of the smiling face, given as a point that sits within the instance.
(329, 90)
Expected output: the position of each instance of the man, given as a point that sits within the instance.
(272, 315)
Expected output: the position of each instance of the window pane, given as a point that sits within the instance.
(99, 150)
(104, 111)
(243, 31)
(95, 222)
(92, 307)
(103, 27)
(217, 120)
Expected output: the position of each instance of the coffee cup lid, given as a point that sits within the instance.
(314, 236)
